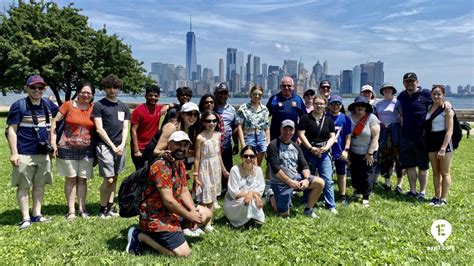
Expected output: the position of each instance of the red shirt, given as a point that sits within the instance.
(148, 123)
(154, 217)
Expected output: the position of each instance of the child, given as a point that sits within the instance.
(208, 164)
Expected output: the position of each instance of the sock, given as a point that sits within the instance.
(109, 206)
(102, 209)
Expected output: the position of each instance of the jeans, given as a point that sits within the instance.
(257, 140)
(324, 166)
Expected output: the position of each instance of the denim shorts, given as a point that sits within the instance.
(282, 193)
(257, 140)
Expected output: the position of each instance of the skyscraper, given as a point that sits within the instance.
(240, 67)
(325, 67)
(367, 72)
(378, 75)
(265, 69)
(346, 81)
(191, 53)
(198, 72)
(317, 72)
(249, 69)
(356, 80)
(291, 67)
(231, 60)
(180, 72)
(221, 70)
(256, 66)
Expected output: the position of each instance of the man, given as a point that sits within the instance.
(229, 115)
(414, 103)
(111, 118)
(290, 171)
(145, 123)
(284, 105)
(168, 205)
(184, 95)
(28, 136)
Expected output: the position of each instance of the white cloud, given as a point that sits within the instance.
(263, 6)
(283, 47)
(406, 13)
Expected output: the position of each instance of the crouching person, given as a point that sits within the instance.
(289, 171)
(167, 205)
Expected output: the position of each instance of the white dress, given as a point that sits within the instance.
(234, 209)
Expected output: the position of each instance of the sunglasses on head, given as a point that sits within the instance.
(37, 87)
(210, 120)
(248, 156)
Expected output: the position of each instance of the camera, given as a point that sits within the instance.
(44, 147)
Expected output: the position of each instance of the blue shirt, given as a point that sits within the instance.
(414, 109)
(20, 114)
(342, 124)
(282, 108)
(228, 114)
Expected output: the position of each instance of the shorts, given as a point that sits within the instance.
(413, 154)
(72, 168)
(282, 193)
(341, 166)
(434, 141)
(257, 140)
(34, 170)
(168, 240)
(110, 164)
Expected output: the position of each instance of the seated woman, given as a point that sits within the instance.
(243, 200)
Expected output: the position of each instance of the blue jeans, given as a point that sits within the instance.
(324, 166)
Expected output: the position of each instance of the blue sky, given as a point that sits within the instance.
(435, 39)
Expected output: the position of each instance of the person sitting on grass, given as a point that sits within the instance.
(167, 206)
(289, 171)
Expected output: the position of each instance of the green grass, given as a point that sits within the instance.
(393, 230)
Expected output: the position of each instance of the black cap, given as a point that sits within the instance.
(221, 87)
(324, 83)
(410, 76)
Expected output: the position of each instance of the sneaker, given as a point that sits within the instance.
(193, 233)
(39, 219)
(411, 194)
(310, 213)
(333, 211)
(85, 215)
(421, 197)
(113, 212)
(216, 205)
(434, 202)
(133, 243)
(24, 224)
(365, 203)
(209, 228)
(398, 190)
(268, 195)
(356, 197)
(442, 202)
(104, 215)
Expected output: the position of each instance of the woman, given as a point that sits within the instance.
(364, 142)
(75, 149)
(187, 121)
(253, 127)
(308, 100)
(208, 103)
(438, 132)
(388, 112)
(243, 201)
(317, 135)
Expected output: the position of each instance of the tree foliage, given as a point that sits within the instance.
(57, 43)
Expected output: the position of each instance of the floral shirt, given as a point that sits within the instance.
(154, 217)
(251, 118)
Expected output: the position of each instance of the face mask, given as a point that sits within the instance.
(178, 154)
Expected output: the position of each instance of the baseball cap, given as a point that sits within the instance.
(325, 83)
(189, 107)
(368, 88)
(309, 91)
(221, 87)
(35, 79)
(410, 76)
(335, 98)
(388, 85)
(288, 123)
(178, 136)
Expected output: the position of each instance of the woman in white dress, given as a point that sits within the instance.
(243, 200)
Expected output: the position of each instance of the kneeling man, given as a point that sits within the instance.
(167, 205)
(289, 171)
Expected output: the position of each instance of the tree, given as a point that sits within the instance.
(57, 43)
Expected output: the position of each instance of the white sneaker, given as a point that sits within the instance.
(209, 228)
(333, 211)
(365, 203)
(193, 233)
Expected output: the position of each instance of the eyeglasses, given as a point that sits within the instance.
(248, 156)
(319, 104)
(37, 88)
(286, 86)
(208, 102)
(211, 120)
(192, 114)
(257, 94)
(336, 103)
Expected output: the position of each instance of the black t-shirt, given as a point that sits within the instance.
(113, 115)
(171, 113)
(308, 123)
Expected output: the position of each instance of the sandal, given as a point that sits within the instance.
(39, 219)
(70, 216)
(24, 224)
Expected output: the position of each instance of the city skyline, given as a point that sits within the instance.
(433, 39)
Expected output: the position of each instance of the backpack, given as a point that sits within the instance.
(131, 191)
(457, 131)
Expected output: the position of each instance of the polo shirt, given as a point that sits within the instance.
(282, 108)
(414, 108)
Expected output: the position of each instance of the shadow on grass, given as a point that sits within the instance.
(119, 243)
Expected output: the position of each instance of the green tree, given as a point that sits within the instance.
(57, 43)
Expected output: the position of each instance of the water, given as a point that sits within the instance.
(457, 102)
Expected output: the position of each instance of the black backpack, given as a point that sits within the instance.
(457, 130)
(131, 191)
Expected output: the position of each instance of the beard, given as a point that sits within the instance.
(178, 155)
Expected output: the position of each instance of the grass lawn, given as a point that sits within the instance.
(393, 230)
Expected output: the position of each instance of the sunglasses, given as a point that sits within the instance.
(286, 86)
(325, 87)
(208, 102)
(257, 94)
(210, 120)
(248, 156)
(37, 88)
(336, 103)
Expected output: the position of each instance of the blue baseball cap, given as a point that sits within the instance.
(335, 98)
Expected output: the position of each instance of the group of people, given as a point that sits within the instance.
(303, 140)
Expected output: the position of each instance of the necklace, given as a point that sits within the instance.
(318, 119)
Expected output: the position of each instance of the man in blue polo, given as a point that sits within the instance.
(414, 103)
(285, 105)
